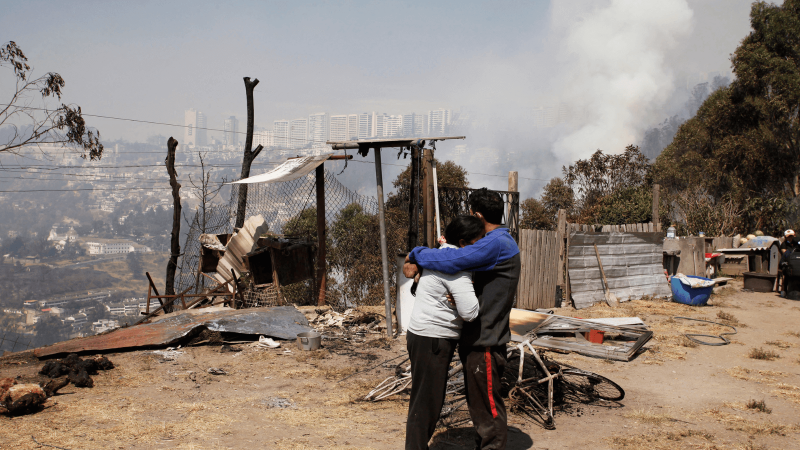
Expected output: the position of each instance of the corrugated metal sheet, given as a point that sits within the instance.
(283, 322)
(633, 264)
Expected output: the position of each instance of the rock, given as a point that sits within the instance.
(23, 398)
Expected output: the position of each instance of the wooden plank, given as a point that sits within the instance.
(656, 195)
(533, 269)
(550, 266)
(544, 269)
(549, 269)
(523, 266)
(540, 255)
(522, 299)
(553, 271)
(529, 282)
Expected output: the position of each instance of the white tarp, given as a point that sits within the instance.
(292, 169)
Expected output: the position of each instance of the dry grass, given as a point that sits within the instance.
(663, 440)
(759, 376)
(792, 334)
(649, 417)
(729, 319)
(758, 405)
(780, 344)
(733, 422)
(764, 355)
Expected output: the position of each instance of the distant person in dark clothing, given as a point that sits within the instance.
(482, 347)
(789, 243)
(788, 246)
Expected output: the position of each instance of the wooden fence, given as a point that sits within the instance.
(540, 259)
(649, 227)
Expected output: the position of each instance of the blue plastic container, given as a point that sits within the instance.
(682, 293)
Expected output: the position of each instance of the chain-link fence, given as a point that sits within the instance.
(353, 259)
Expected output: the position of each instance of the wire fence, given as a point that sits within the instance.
(12, 341)
(353, 259)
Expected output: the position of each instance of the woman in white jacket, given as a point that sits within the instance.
(434, 331)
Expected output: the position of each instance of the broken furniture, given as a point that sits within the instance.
(283, 322)
(281, 261)
(152, 293)
(622, 342)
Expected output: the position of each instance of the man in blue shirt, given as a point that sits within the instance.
(482, 347)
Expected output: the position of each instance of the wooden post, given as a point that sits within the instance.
(175, 245)
(656, 221)
(249, 156)
(562, 253)
(384, 246)
(427, 198)
(413, 201)
(568, 297)
(513, 186)
(321, 239)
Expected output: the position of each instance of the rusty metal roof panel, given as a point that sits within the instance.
(283, 322)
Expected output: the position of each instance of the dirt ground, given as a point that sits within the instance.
(678, 395)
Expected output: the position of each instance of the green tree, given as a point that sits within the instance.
(602, 176)
(742, 145)
(356, 257)
(535, 216)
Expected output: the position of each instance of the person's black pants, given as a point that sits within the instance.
(430, 362)
(483, 372)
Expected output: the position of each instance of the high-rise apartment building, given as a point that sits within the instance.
(408, 124)
(364, 126)
(421, 125)
(195, 133)
(318, 129)
(264, 137)
(438, 121)
(352, 126)
(344, 127)
(298, 133)
(280, 133)
(392, 125)
(231, 127)
(379, 124)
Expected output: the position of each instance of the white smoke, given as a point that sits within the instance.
(615, 71)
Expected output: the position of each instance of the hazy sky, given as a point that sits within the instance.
(620, 62)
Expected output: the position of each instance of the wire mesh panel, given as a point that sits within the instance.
(455, 201)
(353, 258)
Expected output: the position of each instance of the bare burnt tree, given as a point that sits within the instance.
(206, 190)
(249, 154)
(44, 124)
(175, 246)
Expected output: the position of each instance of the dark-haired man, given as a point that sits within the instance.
(482, 347)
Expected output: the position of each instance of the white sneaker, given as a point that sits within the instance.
(266, 342)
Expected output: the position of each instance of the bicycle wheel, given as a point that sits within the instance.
(592, 385)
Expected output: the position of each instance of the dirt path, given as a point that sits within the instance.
(677, 396)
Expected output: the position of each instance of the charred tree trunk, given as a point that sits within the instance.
(175, 247)
(249, 154)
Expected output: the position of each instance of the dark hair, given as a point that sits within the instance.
(463, 227)
(488, 203)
